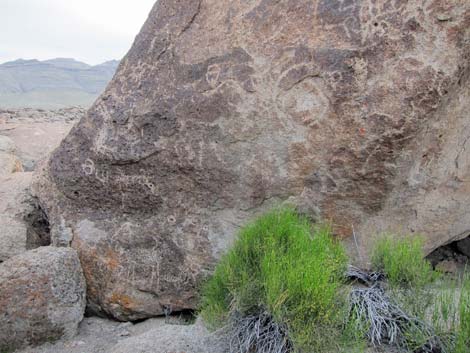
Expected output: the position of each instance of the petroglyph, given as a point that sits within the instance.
(213, 75)
(306, 102)
(137, 179)
(89, 168)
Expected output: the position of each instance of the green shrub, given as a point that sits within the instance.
(281, 265)
(402, 261)
(445, 305)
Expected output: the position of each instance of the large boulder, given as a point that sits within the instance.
(224, 108)
(42, 297)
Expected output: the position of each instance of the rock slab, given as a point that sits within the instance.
(352, 110)
(42, 297)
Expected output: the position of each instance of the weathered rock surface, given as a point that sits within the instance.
(15, 205)
(353, 110)
(431, 193)
(42, 297)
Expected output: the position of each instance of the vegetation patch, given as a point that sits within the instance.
(282, 277)
(402, 261)
(430, 312)
(285, 287)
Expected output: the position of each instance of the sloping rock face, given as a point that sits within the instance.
(42, 297)
(223, 108)
(431, 194)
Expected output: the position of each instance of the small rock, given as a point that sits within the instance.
(124, 333)
(444, 17)
(42, 297)
(75, 344)
(447, 266)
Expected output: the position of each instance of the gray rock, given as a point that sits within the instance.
(42, 297)
(6, 144)
(447, 266)
(221, 109)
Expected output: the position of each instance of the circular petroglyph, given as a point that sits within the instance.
(88, 167)
(306, 101)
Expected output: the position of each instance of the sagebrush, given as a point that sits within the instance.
(402, 260)
(283, 266)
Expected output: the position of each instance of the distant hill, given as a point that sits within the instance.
(52, 83)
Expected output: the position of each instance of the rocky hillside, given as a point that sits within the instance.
(52, 83)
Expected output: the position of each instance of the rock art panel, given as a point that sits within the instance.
(222, 109)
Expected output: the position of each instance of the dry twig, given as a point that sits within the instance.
(258, 334)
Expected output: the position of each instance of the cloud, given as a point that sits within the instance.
(88, 30)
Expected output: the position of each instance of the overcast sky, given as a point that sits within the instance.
(92, 31)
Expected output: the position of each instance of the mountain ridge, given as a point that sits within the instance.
(52, 83)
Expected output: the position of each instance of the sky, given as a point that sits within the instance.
(92, 31)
